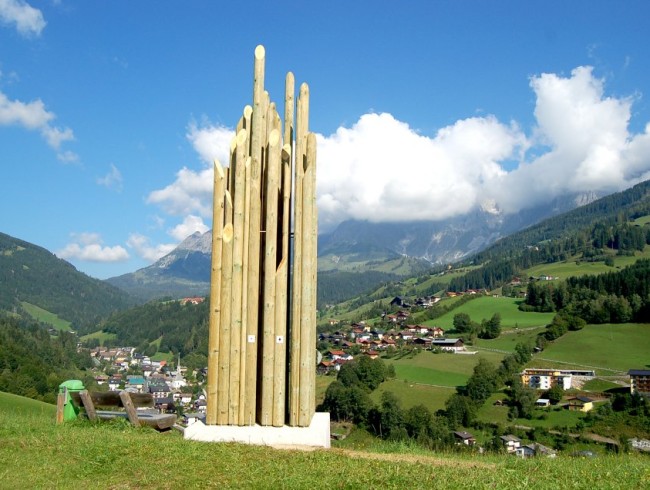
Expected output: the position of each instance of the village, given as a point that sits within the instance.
(176, 389)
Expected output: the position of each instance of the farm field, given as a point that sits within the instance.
(605, 347)
(486, 306)
(542, 417)
(429, 378)
(411, 394)
(439, 369)
(575, 267)
(46, 317)
(508, 339)
(99, 335)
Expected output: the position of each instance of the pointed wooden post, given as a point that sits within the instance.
(215, 293)
(226, 315)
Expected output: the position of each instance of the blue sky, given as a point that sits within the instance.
(111, 112)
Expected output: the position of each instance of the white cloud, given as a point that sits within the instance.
(191, 192)
(28, 20)
(190, 225)
(88, 247)
(143, 248)
(590, 147)
(67, 157)
(33, 116)
(380, 169)
(211, 142)
(112, 180)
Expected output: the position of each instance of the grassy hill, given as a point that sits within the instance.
(119, 456)
(37, 284)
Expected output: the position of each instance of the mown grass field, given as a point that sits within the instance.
(99, 335)
(509, 339)
(430, 379)
(543, 417)
(576, 267)
(411, 394)
(609, 346)
(36, 453)
(45, 316)
(486, 306)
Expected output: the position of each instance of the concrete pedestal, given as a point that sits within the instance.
(316, 435)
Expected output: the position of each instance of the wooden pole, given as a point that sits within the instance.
(296, 297)
(224, 339)
(215, 293)
(236, 345)
(307, 340)
(253, 281)
(270, 259)
(60, 405)
(246, 413)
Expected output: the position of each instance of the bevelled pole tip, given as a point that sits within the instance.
(274, 137)
(259, 52)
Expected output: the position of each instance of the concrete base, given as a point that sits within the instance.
(316, 435)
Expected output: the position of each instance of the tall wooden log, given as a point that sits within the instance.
(215, 293)
(302, 127)
(307, 339)
(254, 224)
(270, 257)
(237, 275)
(223, 389)
(246, 412)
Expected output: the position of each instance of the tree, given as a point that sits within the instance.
(522, 398)
(463, 323)
(460, 410)
(346, 403)
(387, 420)
(483, 382)
(491, 329)
(555, 394)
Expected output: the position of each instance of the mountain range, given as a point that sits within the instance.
(353, 259)
(355, 247)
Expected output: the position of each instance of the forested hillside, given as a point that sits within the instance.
(180, 328)
(584, 232)
(34, 364)
(32, 274)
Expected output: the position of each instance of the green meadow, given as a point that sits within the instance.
(36, 453)
(99, 335)
(484, 307)
(608, 347)
(411, 394)
(45, 316)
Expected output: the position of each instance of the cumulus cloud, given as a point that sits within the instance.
(88, 247)
(380, 169)
(112, 180)
(190, 225)
(210, 142)
(28, 20)
(590, 147)
(67, 157)
(142, 246)
(191, 192)
(34, 117)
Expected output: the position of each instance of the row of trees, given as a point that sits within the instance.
(614, 297)
(487, 329)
